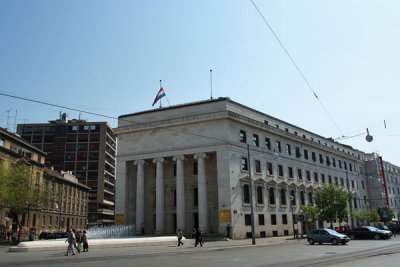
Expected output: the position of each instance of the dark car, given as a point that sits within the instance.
(45, 235)
(369, 232)
(326, 236)
(344, 229)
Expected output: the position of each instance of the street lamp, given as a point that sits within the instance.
(291, 207)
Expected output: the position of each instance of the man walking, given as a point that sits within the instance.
(71, 241)
(228, 231)
(180, 236)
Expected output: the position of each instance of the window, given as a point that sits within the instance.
(294, 198)
(174, 169)
(258, 166)
(195, 197)
(267, 143)
(298, 153)
(323, 178)
(345, 165)
(363, 187)
(288, 149)
(260, 197)
(336, 180)
(245, 167)
(246, 194)
(290, 172)
(269, 169)
(280, 170)
(352, 184)
(355, 202)
(195, 168)
(247, 219)
(278, 146)
(302, 199)
(341, 181)
(308, 176)
(305, 154)
(242, 136)
(333, 162)
(321, 159)
(299, 174)
(329, 179)
(256, 141)
(261, 220)
(2, 142)
(273, 219)
(340, 164)
(310, 197)
(74, 128)
(314, 158)
(328, 162)
(271, 193)
(284, 219)
(316, 177)
(350, 167)
(283, 196)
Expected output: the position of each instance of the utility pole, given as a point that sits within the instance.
(253, 237)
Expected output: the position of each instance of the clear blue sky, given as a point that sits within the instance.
(108, 57)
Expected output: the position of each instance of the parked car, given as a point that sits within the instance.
(326, 236)
(44, 235)
(369, 232)
(385, 229)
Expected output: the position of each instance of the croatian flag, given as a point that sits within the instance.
(159, 95)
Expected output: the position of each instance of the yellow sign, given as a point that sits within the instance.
(225, 216)
(119, 219)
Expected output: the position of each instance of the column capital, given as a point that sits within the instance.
(139, 161)
(200, 155)
(179, 157)
(161, 160)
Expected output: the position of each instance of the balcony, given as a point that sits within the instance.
(105, 211)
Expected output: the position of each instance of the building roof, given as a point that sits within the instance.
(236, 103)
(64, 178)
(17, 139)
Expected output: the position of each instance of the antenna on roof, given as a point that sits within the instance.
(15, 121)
(8, 117)
(211, 82)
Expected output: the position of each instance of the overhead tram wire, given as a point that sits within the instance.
(296, 66)
(109, 117)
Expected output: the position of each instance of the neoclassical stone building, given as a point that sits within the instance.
(187, 166)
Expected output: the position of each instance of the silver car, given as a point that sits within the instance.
(326, 236)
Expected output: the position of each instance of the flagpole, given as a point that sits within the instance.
(160, 89)
(211, 82)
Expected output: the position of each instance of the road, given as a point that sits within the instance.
(290, 253)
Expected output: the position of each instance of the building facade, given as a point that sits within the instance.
(383, 180)
(87, 150)
(188, 166)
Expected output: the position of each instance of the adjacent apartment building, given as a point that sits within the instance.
(188, 166)
(383, 181)
(68, 199)
(87, 150)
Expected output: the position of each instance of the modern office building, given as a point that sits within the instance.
(87, 150)
(188, 166)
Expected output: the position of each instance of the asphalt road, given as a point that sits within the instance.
(291, 253)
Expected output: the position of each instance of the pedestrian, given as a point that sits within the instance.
(180, 236)
(201, 239)
(228, 231)
(142, 228)
(85, 242)
(31, 236)
(79, 240)
(75, 246)
(71, 241)
(8, 235)
(14, 238)
(198, 238)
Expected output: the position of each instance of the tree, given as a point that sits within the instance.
(372, 216)
(310, 212)
(385, 210)
(331, 201)
(22, 192)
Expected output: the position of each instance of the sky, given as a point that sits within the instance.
(108, 57)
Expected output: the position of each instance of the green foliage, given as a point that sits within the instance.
(389, 212)
(20, 189)
(331, 201)
(372, 216)
(310, 211)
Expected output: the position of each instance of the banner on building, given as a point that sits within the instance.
(225, 216)
(119, 219)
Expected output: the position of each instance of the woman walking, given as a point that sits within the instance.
(85, 242)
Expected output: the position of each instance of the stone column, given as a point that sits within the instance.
(202, 191)
(139, 195)
(180, 192)
(159, 195)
